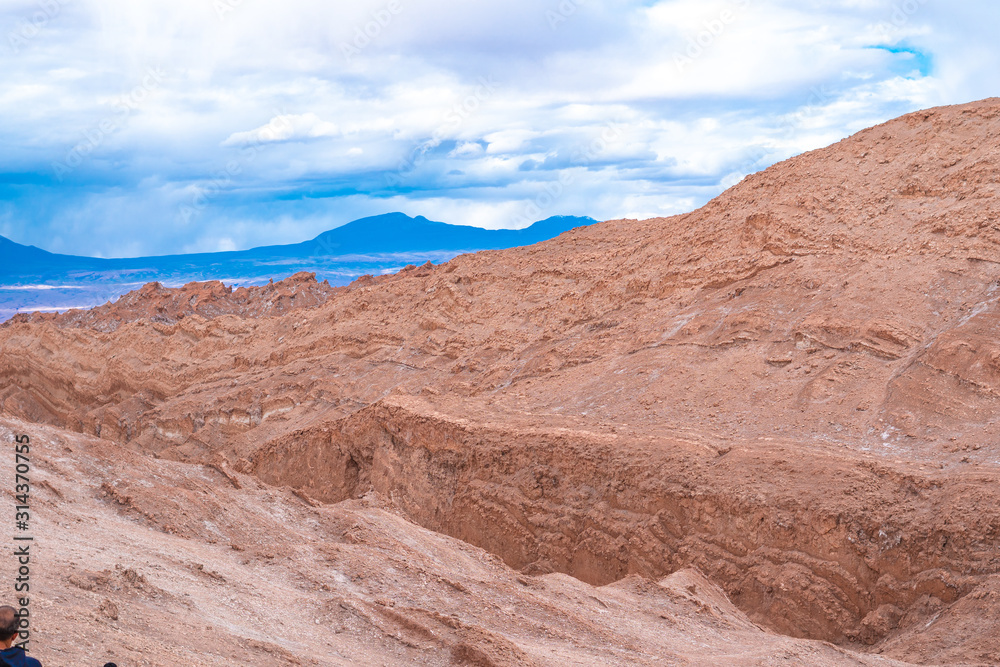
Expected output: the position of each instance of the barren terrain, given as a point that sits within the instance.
(762, 432)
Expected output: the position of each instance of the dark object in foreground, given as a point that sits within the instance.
(12, 656)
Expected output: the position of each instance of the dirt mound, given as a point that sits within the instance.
(792, 389)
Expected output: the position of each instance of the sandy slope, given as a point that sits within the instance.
(152, 562)
(793, 389)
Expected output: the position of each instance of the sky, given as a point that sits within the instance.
(166, 126)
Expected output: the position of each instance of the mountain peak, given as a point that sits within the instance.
(398, 232)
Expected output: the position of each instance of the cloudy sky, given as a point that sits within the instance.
(169, 126)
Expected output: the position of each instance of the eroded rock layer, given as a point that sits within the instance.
(793, 389)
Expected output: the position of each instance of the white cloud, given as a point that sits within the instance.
(286, 127)
(261, 118)
(467, 149)
(508, 141)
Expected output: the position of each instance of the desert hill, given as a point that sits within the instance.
(793, 390)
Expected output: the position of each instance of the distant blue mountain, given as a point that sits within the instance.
(15, 257)
(396, 232)
(34, 279)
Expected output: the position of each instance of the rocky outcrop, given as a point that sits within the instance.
(808, 560)
(156, 303)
